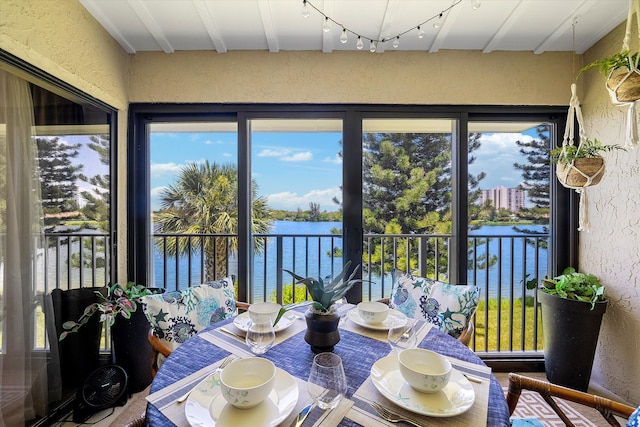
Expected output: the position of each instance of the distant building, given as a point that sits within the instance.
(504, 198)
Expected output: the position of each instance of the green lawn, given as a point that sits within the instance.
(511, 320)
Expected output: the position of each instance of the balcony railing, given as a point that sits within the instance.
(506, 319)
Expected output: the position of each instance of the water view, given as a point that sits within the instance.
(307, 249)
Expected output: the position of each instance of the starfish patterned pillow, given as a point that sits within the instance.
(178, 315)
(448, 307)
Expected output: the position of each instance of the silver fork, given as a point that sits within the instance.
(224, 363)
(394, 417)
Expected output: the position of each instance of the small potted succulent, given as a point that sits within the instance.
(581, 165)
(322, 320)
(572, 306)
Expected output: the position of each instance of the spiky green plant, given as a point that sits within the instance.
(588, 149)
(323, 294)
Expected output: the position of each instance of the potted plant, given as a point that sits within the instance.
(621, 73)
(581, 165)
(120, 310)
(321, 317)
(572, 306)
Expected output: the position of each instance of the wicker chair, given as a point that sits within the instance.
(608, 408)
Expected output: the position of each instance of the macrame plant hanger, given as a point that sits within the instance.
(575, 114)
(617, 85)
(566, 173)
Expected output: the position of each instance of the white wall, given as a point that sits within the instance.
(611, 250)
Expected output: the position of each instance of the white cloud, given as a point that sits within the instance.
(298, 157)
(162, 169)
(292, 201)
(274, 152)
(210, 142)
(337, 160)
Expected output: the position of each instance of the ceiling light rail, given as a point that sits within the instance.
(373, 41)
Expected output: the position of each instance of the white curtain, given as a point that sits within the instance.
(23, 375)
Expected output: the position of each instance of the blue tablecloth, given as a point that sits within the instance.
(294, 355)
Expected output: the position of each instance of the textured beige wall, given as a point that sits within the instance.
(447, 77)
(611, 250)
(63, 39)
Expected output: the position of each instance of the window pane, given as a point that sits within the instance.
(406, 199)
(297, 218)
(508, 227)
(194, 202)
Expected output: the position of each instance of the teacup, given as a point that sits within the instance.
(373, 311)
(261, 311)
(247, 382)
(425, 371)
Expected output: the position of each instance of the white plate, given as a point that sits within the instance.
(242, 321)
(206, 407)
(454, 399)
(355, 317)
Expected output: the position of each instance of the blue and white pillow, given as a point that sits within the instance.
(634, 419)
(448, 307)
(178, 315)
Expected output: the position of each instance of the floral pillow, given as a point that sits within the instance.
(448, 307)
(178, 315)
(634, 419)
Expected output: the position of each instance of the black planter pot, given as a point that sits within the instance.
(322, 331)
(131, 349)
(571, 331)
(79, 351)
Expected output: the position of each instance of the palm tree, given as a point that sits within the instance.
(204, 200)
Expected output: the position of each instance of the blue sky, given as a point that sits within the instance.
(294, 169)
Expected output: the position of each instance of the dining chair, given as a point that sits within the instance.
(608, 408)
(448, 307)
(176, 316)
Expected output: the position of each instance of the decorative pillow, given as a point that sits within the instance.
(448, 307)
(178, 315)
(634, 419)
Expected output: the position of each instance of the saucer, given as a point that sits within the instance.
(206, 407)
(241, 321)
(454, 399)
(355, 317)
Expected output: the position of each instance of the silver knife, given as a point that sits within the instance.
(303, 414)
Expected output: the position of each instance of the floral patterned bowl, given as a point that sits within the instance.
(245, 383)
(425, 371)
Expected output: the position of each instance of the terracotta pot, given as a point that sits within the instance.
(322, 331)
(582, 169)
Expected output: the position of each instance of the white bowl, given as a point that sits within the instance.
(373, 311)
(246, 383)
(260, 311)
(425, 371)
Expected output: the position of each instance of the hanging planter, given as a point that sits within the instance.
(580, 166)
(623, 77)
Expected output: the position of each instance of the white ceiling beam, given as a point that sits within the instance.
(564, 26)
(388, 18)
(509, 22)
(147, 19)
(269, 27)
(447, 23)
(327, 38)
(206, 16)
(103, 19)
(605, 27)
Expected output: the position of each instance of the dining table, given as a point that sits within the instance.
(364, 351)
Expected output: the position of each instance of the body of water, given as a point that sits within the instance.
(302, 238)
